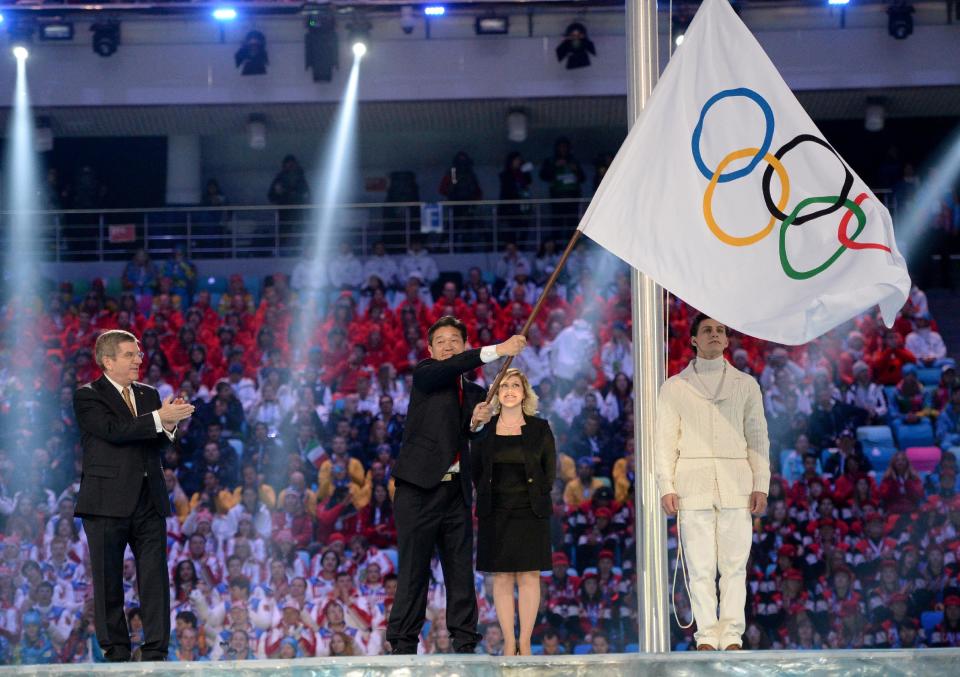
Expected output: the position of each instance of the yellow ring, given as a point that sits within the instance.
(719, 232)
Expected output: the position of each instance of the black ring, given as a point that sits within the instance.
(768, 174)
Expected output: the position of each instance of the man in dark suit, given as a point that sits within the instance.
(123, 499)
(433, 497)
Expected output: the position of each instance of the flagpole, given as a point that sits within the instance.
(648, 367)
(536, 310)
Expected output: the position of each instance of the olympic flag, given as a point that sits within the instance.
(727, 194)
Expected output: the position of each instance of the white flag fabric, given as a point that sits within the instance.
(727, 194)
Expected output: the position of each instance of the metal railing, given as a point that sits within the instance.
(241, 232)
(269, 231)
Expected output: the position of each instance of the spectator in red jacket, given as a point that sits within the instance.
(294, 517)
(449, 297)
(376, 519)
(901, 490)
(887, 363)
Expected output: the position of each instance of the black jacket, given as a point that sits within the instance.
(438, 426)
(117, 449)
(539, 460)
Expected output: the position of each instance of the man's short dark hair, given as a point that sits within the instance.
(188, 617)
(697, 321)
(240, 582)
(133, 612)
(550, 634)
(447, 321)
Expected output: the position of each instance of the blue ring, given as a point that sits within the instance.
(764, 147)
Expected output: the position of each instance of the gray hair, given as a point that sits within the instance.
(109, 341)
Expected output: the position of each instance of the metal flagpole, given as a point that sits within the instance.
(648, 362)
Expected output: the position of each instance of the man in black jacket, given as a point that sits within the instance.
(125, 429)
(433, 497)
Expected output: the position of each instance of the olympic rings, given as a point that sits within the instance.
(850, 244)
(774, 164)
(722, 235)
(841, 199)
(761, 152)
(807, 274)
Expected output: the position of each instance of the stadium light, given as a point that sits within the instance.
(900, 20)
(106, 37)
(359, 31)
(224, 14)
(21, 53)
(434, 10)
(838, 2)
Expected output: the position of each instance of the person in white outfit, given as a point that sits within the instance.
(712, 466)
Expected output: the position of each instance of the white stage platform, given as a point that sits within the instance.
(891, 663)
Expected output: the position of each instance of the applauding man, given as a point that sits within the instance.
(125, 429)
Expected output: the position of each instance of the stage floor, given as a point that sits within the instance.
(891, 663)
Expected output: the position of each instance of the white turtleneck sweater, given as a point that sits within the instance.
(709, 372)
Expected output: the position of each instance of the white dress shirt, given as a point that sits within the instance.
(156, 413)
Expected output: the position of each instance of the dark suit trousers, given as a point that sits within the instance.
(429, 520)
(146, 532)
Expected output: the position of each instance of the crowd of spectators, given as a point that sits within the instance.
(282, 539)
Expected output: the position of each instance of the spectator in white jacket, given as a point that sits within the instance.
(345, 270)
(866, 394)
(572, 352)
(926, 344)
(382, 266)
(712, 466)
(617, 353)
(418, 260)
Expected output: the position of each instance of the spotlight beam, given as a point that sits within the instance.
(22, 229)
(914, 218)
(337, 163)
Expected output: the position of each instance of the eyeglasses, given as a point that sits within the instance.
(129, 355)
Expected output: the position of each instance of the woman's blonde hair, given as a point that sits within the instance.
(531, 403)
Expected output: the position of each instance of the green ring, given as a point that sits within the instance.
(807, 274)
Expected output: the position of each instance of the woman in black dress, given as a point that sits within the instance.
(514, 470)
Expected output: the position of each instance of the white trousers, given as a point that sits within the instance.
(719, 538)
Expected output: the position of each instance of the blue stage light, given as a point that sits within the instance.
(434, 10)
(224, 14)
(838, 2)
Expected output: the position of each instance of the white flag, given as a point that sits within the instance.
(728, 195)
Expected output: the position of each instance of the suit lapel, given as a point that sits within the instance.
(139, 398)
(526, 434)
(113, 397)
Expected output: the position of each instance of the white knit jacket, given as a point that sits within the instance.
(703, 445)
